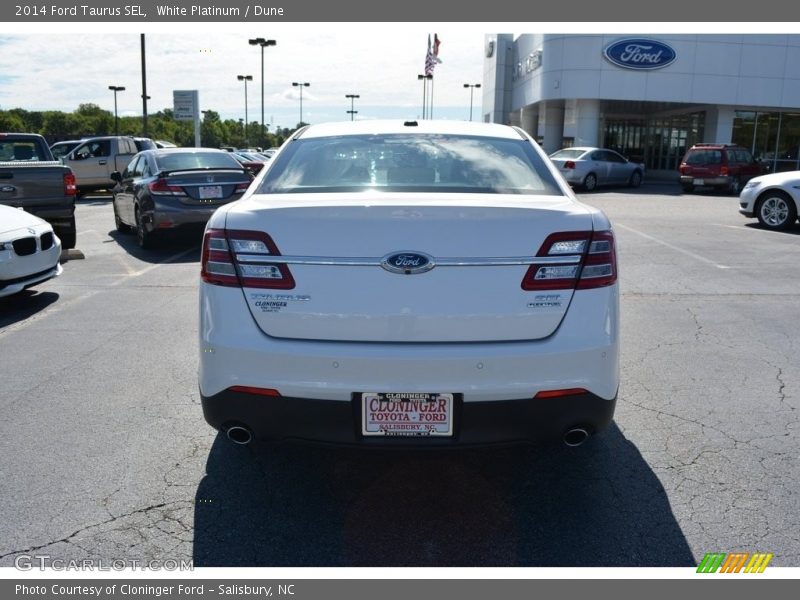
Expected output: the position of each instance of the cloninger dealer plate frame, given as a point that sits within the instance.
(406, 414)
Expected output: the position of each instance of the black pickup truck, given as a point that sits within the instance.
(32, 179)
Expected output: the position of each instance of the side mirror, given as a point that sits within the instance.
(116, 176)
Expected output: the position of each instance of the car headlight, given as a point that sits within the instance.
(751, 184)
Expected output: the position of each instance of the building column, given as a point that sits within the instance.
(529, 120)
(719, 125)
(551, 125)
(582, 122)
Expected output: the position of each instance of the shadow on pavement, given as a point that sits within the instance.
(24, 305)
(597, 505)
(793, 230)
(168, 248)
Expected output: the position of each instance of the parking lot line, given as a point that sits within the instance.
(59, 307)
(646, 236)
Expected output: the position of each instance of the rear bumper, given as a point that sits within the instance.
(474, 423)
(722, 181)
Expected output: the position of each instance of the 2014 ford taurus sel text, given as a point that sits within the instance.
(420, 283)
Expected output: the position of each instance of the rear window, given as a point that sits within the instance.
(196, 160)
(704, 157)
(568, 153)
(20, 150)
(411, 163)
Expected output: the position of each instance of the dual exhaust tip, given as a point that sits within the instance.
(242, 435)
(575, 436)
(239, 435)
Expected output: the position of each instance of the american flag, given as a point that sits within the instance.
(432, 56)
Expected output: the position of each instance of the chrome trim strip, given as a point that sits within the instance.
(261, 259)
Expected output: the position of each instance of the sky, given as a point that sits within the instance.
(43, 68)
(379, 62)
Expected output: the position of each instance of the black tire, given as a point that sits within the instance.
(590, 182)
(121, 227)
(636, 179)
(687, 188)
(68, 234)
(145, 240)
(735, 186)
(776, 210)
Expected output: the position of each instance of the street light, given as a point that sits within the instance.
(471, 87)
(115, 89)
(352, 112)
(245, 78)
(301, 86)
(263, 43)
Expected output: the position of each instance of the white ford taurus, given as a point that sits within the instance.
(418, 283)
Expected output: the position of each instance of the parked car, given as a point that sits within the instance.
(418, 283)
(725, 167)
(61, 149)
(252, 164)
(773, 199)
(162, 144)
(31, 179)
(94, 159)
(29, 251)
(592, 167)
(162, 190)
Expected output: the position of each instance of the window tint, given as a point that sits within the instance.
(130, 169)
(403, 162)
(179, 161)
(704, 157)
(19, 150)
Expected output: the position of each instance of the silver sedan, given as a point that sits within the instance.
(591, 167)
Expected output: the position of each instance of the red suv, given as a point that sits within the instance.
(726, 167)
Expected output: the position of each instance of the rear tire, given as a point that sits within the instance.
(68, 235)
(776, 210)
(590, 182)
(636, 179)
(688, 188)
(145, 239)
(735, 186)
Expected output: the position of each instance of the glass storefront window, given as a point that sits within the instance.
(773, 138)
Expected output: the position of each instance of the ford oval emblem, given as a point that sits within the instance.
(640, 53)
(407, 263)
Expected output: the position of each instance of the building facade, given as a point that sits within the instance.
(649, 97)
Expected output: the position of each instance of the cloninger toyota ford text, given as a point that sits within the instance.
(409, 283)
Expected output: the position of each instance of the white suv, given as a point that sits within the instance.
(418, 283)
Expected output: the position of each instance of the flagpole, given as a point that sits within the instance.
(430, 113)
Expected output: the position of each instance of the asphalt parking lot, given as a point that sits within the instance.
(105, 452)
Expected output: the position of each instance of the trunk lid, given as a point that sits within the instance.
(352, 298)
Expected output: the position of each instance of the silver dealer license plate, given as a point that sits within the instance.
(412, 414)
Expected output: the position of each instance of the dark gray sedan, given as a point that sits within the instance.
(592, 167)
(163, 190)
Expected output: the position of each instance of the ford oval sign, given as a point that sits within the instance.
(407, 263)
(640, 53)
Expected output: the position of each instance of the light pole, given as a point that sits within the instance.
(115, 89)
(352, 112)
(301, 86)
(245, 78)
(263, 43)
(471, 87)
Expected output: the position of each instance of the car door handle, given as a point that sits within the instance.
(102, 162)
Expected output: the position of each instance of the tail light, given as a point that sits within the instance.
(578, 259)
(70, 186)
(241, 188)
(160, 187)
(570, 164)
(238, 258)
(723, 170)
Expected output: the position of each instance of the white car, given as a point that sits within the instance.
(418, 283)
(773, 199)
(29, 251)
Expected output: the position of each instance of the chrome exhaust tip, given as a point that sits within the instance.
(575, 437)
(239, 435)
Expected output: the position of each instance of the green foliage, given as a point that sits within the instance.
(89, 120)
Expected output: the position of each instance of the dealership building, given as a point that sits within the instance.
(649, 97)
